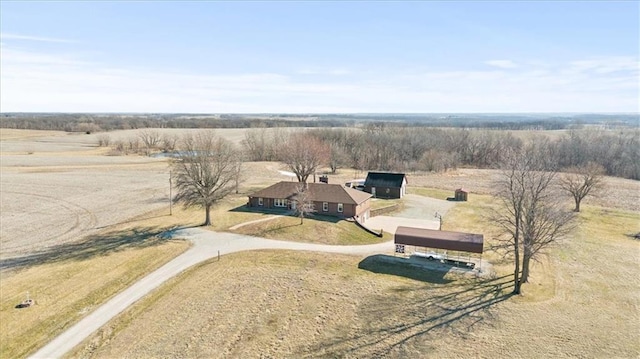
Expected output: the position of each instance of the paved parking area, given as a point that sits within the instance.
(418, 212)
(390, 224)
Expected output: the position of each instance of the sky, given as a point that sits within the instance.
(320, 57)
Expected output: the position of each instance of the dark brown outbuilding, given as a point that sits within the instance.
(461, 194)
(455, 241)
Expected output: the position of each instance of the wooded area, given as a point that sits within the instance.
(409, 149)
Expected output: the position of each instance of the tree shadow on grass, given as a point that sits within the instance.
(323, 218)
(635, 236)
(286, 212)
(137, 219)
(384, 264)
(90, 247)
(244, 209)
(407, 319)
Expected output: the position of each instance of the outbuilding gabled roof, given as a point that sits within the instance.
(384, 179)
(319, 192)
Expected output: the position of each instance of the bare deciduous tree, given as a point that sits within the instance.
(260, 143)
(336, 157)
(302, 203)
(238, 171)
(150, 138)
(133, 144)
(530, 216)
(205, 171)
(104, 140)
(579, 182)
(169, 142)
(303, 154)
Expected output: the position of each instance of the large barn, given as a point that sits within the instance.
(386, 184)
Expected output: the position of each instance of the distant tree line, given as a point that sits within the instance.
(410, 149)
(89, 123)
(79, 122)
(381, 142)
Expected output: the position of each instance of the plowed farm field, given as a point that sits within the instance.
(56, 188)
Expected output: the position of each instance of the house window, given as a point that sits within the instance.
(280, 202)
(260, 203)
(325, 206)
(340, 207)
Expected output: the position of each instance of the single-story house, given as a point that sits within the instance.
(386, 184)
(327, 199)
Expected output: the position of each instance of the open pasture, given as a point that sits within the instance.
(294, 305)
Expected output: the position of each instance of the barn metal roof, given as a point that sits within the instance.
(455, 241)
(384, 179)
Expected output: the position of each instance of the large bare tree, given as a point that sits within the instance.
(303, 154)
(205, 171)
(581, 181)
(531, 214)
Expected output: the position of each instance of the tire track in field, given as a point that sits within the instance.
(78, 212)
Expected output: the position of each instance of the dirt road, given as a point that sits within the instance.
(206, 245)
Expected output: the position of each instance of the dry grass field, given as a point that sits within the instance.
(70, 215)
(73, 281)
(582, 302)
(618, 192)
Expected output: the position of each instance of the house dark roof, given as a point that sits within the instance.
(319, 192)
(457, 241)
(384, 179)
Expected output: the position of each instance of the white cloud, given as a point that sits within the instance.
(318, 71)
(38, 82)
(503, 64)
(606, 65)
(8, 36)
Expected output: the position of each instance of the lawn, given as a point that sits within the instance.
(582, 302)
(287, 304)
(377, 203)
(69, 281)
(430, 192)
(315, 229)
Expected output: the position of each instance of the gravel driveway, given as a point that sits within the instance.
(207, 244)
(419, 212)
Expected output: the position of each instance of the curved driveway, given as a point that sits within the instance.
(207, 245)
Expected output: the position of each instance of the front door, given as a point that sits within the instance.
(373, 191)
